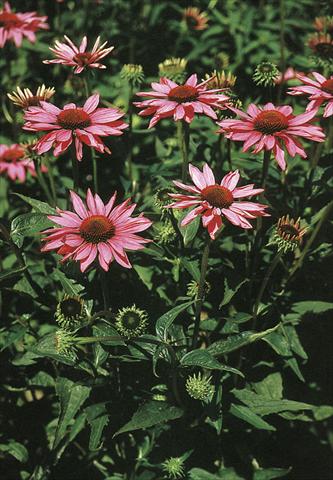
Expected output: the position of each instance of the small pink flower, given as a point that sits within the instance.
(73, 56)
(15, 26)
(96, 230)
(289, 74)
(15, 163)
(319, 91)
(83, 125)
(181, 101)
(212, 201)
(271, 128)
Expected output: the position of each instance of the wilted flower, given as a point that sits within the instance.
(96, 230)
(213, 201)
(319, 91)
(288, 234)
(84, 125)
(70, 312)
(65, 343)
(266, 74)
(132, 73)
(199, 387)
(69, 54)
(324, 24)
(173, 68)
(195, 19)
(180, 101)
(15, 26)
(25, 98)
(271, 128)
(15, 162)
(174, 467)
(131, 321)
(220, 79)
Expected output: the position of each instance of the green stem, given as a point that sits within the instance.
(93, 153)
(229, 154)
(105, 289)
(265, 167)
(282, 47)
(51, 180)
(183, 133)
(264, 283)
(201, 291)
(42, 182)
(220, 153)
(130, 135)
(330, 134)
(75, 171)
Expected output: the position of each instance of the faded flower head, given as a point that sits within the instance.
(195, 19)
(266, 74)
(25, 98)
(70, 312)
(199, 387)
(132, 73)
(174, 467)
(65, 343)
(173, 68)
(322, 46)
(288, 234)
(131, 321)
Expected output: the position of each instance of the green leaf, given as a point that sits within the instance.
(270, 387)
(97, 419)
(17, 450)
(202, 358)
(42, 379)
(312, 306)
(149, 414)
(12, 273)
(145, 274)
(166, 320)
(71, 397)
(37, 205)
(70, 286)
(189, 231)
(270, 473)
(13, 335)
(246, 414)
(192, 267)
(28, 224)
(322, 412)
(200, 474)
(234, 342)
(103, 329)
(229, 291)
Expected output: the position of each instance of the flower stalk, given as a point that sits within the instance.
(265, 281)
(41, 180)
(183, 133)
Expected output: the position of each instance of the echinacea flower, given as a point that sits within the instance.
(195, 19)
(96, 230)
(84, 125)
(168, 99)
(271, 128)
(212, 201)
(15, 163)
(322, 45)
(25, 98)
(319, 91)
(78, 57)
(15, 26)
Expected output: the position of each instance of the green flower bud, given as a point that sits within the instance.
(164, 233)
(220, 79)
(162, 197)
(173, 68)
(199, 387)
(65, 344)
(174, 467)
(193, 289)
(131, 321)
(70, 312)
(265, 74)
(133, 74)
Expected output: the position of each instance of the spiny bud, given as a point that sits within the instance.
(220, 79)
(174, 467)
(198, 387)
(173, 68)
(65, 343)
(193, 289)
(265, 74)
(164, 233)
(162, 198)
(25, 98)
(133, 74)
(131, 321)
(70, 312)
(288, 234)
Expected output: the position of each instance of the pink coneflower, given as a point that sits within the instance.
(15, 163)
(319, 91)
(213, 201)
(15, 26)
(271, 128)
(82, 124)
(181, 101)
(73, 56)
(95, 230)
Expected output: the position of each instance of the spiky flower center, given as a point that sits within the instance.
(327, 86)
(270, 121)
(74, 118)
(96, 229)
(131, 320)
(9, 20)
(183, 93)
(288, 231)
(217, 196)
(71, 307)
(12, 155)
(83, 58)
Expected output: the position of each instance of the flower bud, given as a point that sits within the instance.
(174, 467)
(131, 321)
(198, 387)
(173, 68)
(70, 312)
(266, 74)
